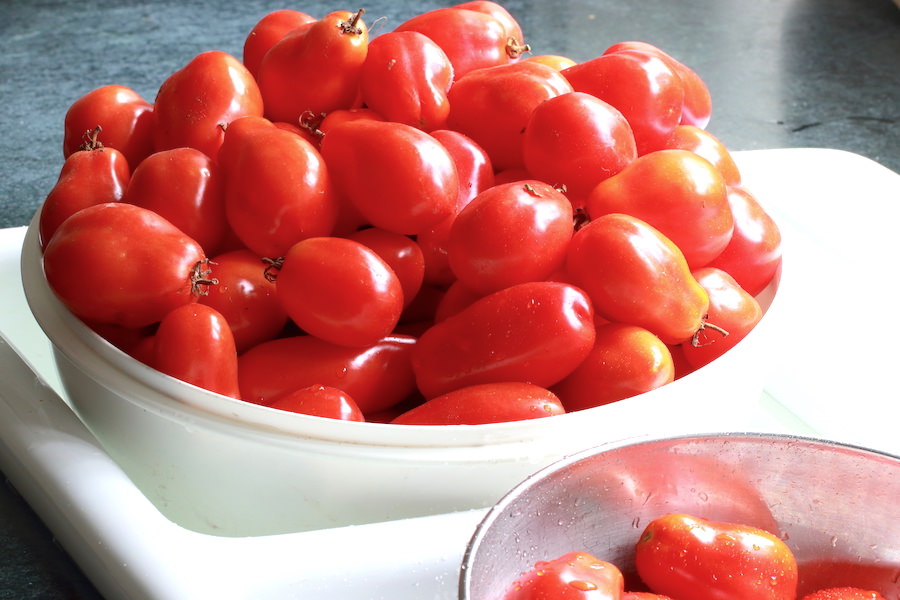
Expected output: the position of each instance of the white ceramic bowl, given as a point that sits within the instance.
(218, 465)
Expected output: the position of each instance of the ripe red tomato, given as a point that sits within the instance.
(401, 253)
(320, 401)
(194, 104)
(93, 175)
(626, 360)
(405, 78)
(556, 61)
(124, 117)
(315, 67)
(576, 140)
(844, 593)
(705, 144)
(634, 274)
(643, 596)
(122, 264)
(572, 576)
(486, 403)
(398, 177)
(679, 193)
(194, 344)
(377, 377)
(691, 558)
(510, 233)
(267, 32)
(536, 332)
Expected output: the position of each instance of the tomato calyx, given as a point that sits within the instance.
(515, 49)
(310, 121)
(695, 339)
(200, 277)
(92, 139)
(273, 265)
(351, 27)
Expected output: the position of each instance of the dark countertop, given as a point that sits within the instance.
(782, 73)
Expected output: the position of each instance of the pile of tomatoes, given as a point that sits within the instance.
(684, 557)
(437, 225)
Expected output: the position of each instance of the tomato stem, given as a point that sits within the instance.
(273, 265)
(92, 139)
(200, 277)
(515, 49)
(695, 339)
(350, 27)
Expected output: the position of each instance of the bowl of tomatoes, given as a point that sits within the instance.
(771, 517)
(291, 309)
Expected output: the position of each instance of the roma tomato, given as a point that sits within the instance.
(485, 403)
(634, 274)
(405, 78)
(844, 593)
(195, 344)
(642, 86)
(753, 255)
(643, 596)
(320, 401)
(576, 140)
(245, 297)
(377, 377)
(315, 67)
(125, 265)
(626, 360)
(701, 142)
(679, 193)
(340, 291)
(572, 576)
(510, 233)
(267, 32)
(398, 177)
(124, 117)
(194, 104)
(401, 253)
(492, 106)
(536, 332)
(732, 311)
(184, 186)
(93, 175)
(691, 558)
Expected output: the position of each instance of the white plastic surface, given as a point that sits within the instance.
(838, 212)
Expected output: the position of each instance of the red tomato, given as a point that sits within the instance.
(732, 311)
(196, 102)
(398, 177)
(376, 377)
(320, 401)
(195, 344)
(576, 140)
(691, 558)
(406, 77)
(626, 360)
(844, 593)
(278, 189)
(572, 576)
(245, 297)
(699, 141)
(345, 115)
(401, 253)
(510, 233)
(679, 193)
(535, 332)
(753, 255)
(121, 264)
(183, 185)
(634, 274)
(267, 32)
(643, 596)
(485, 403)
(514, 36)
(455, 299)
(315, 67)
(642, 86)
(552, 60)
(93, 175)
(124, 117)
(340, 291)
(492, 106)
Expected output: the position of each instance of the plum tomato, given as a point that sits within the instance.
(320, 401)
(691, 558)
(644, 596)
(267, 32)
(571, 576)
(485, 403)
(401, 253)
(844, 593)
(701, 142)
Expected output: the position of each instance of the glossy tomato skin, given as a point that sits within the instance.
(572, 576)
(691, 558)
(509, 234)
(377, 377)
(194, 103)
(120, 264)
(405, 78)
(320, 401)
(401, 253)
(577, 140)
(634, 274)
(398, 177)
(679, 193)
(194, 344)
(123, 116)
(703, 143)
(245, 297)
(340, 291)
(844, 593)
(644, 596)
(485, 403)
(626, 360)
(536, 332)
(267, 32)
